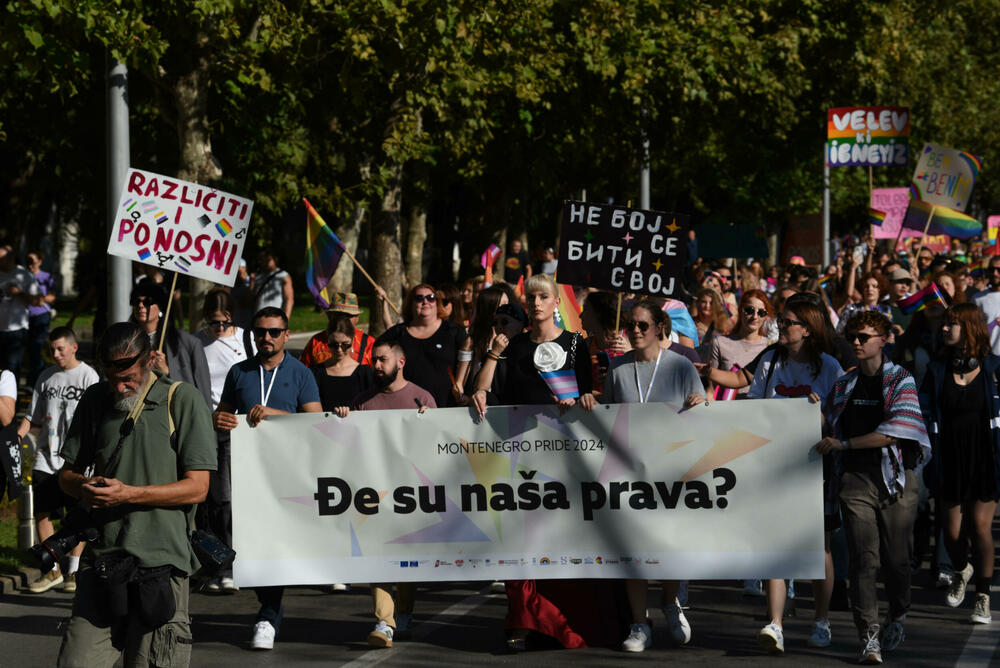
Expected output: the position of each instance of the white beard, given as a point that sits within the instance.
(126, 404)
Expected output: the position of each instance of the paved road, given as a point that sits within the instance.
(459, 624)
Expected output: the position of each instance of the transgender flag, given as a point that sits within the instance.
(562, 383)
(323, 251)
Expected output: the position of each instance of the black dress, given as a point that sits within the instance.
(524, 385)
(340, 390)
(429, 360)
(967, 457)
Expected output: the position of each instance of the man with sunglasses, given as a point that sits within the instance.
(270, 383)
(988, 302)
(151, 447)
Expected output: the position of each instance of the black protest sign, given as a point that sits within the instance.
(621, 249)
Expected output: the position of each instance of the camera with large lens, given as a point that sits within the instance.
(77, 526)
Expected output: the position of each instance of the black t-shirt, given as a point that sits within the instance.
(524, 385)
(515, 267)
(428, 360)
(340, 390)
(863, 414)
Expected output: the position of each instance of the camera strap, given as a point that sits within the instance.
(128, 425)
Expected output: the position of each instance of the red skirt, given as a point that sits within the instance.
(576, 613)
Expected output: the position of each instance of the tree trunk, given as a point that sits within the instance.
(416, 237)
(348, 233)
(197, 162)
(386, 256)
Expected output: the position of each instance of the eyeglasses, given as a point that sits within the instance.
(631, 324)
(861, 337)
(121, 364)
(273, 332)
(344, 346)
(420, 299)
(785, 323)
(144, 301)
(748, 311)
(220, 324)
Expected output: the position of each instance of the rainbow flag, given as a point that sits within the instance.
(323, 252)
(944, 220)
(876, 217)
(567, 315)
(921, 300)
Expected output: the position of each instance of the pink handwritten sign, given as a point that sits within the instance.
(893, 201)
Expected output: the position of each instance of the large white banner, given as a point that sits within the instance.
(727, 490)
(180, 226)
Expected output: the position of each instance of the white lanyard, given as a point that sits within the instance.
(635, 367)
(264, 397)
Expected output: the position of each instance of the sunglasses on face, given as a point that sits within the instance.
(420, 299)
(144, 301)
(273, 332)
(502, 323)
(785, 323)
(631, 324)
(861, 337)
(445, 301)
(220, 324)
(345, 346)
(748, 311)
(120, 364)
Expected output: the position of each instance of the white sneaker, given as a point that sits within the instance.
(213, 585)
(263, 636)
(677, 624)
(981, 613)
(944, 579)
(956, 593)
(404, 621)
(53, 578)
(227, 585)
(871, 651)
(820, 634)
(498, 587)
(639, 638)
(772, 639)
(752, 588)
(381, 635)
(893, 634)
(339, 587)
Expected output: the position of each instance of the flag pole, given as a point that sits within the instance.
(871, 203)
(370, 279)
(166, 316)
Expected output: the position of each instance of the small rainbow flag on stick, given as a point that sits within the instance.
(323, 252)
(876, 217)
(562, 383)
(490, 256)
(921, 300)
(567, 315)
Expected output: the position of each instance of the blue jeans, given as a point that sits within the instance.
(12, 350)
(271, 609)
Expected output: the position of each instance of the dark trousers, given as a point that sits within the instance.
(38, 334)
(12, 350)
(879, 533)
(271, 609)
(215, 514)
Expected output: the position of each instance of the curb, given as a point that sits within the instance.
(13, 582)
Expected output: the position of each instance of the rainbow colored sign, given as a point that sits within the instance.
(945, 177)
(875, 136)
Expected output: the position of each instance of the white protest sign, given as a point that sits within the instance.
(180, 226)
(945, 177)
(631, 490)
